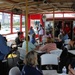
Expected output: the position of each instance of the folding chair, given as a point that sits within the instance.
(49, 59)
(14, 71)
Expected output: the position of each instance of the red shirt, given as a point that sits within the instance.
(67, 29)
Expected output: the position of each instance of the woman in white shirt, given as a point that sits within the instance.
(41, 32)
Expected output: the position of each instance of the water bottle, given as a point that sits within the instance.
(64, 70)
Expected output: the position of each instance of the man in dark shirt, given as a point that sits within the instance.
(19, 39)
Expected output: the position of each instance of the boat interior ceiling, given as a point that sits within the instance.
(37, 6)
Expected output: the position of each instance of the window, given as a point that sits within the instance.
(16, 23)
(23, 23)
(58, 15)
(71, 15)
(5, 22)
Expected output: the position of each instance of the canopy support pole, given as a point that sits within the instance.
(26, 26)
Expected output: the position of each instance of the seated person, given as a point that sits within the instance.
(65, 59)
(31, 46)
(22, 50)
(72, 43)
(30, 67)
(19, 39)
(33, 40)
(72, 67)
(65, 36)
(50, 45)
(44, 37)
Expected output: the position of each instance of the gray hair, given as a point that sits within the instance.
(31, 58)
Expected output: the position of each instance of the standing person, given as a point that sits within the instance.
(31, 32)
(30, 67)
(41, 32)
(19, 39)
(49, 28)
(67, 30)
(4, 50)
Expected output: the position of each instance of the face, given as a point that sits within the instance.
(21, 36)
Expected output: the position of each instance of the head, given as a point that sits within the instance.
(49, 40)
(31, 27)
(20, 34)
(28, 38)
(31, 58)
(66, 25)
(40, 25)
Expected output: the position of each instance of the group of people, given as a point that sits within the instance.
(47, 47)
(20, 42)
(31, 63)
(30, 59)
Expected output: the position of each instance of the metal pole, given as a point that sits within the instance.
(26, 26)
(53, 24)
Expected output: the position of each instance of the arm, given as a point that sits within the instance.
(43, 48)
(32, 46)
(71, 70)
(17, 41)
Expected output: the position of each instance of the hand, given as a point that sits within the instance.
(14, 47)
